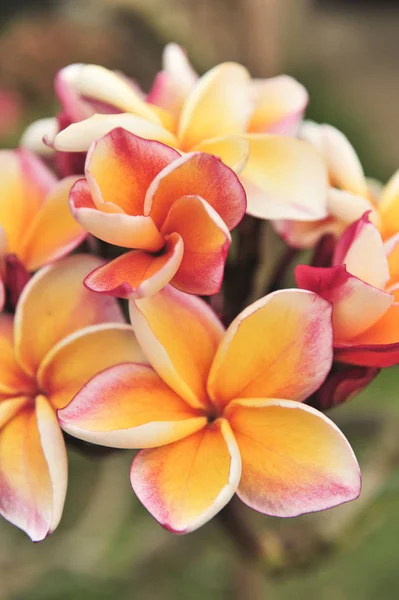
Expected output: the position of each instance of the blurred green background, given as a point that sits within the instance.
(107, 546)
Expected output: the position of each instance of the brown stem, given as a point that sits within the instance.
(245, 540)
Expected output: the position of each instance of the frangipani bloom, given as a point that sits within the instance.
(224, 113)
(175, 211)
(350, 194)
(35, 222)
(60, 337)
(362, 286)
(220, 413)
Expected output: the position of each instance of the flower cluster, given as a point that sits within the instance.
(216, 406)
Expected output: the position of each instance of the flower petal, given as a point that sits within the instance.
(197, 174)
(33, 470)
(72, 362)
(362, 251)
(55, 304)
(294, 459)
(119, 156)
(13, 380)
(388, 207)
(24, 183)
(129, 406)
(206, 244)
(137, 274)
(32, 137)
(53, 232)
(2, 293)
(179, 334)
(78, 137)
(114, 228)
(280, 104)
(375, 347)
(284, 178)
(233, 150)
(280, 346)
(185, 484)
(219, 104)
(356, 304)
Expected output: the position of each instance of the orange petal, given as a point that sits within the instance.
(114, 228)
(119, 156)
(280, 346)
(294, 459)
(284, 178)
(219, 104)
(280, 104)
(137, 274)
(77, 358)
(54, 304)
(388, 207)
(78, 137)
(197, 174)
(206, 244)
(13, 380)
(129, 406)
(9, 407)
(179, 334)
(183, 485)
(233, 150)
(33, 471)
(24, 183)
(391, 248)
(53, 232)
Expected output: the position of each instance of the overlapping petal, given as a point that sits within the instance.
(137, 274)
(179, 334)
(294, 459)
(13, 381)
(56, 299)
(33, 469)
(197, 174)
(388, 207)
(206, 241)
(284, 178)
(233, 150)
(185, 484)
(72, 362)
(129, 406)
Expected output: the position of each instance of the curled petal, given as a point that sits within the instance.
(280, 104)
(294, 459)
(388, 207)
(179, 334)
(362, 251)
(132, 162)
(356, 304)
(129, 406)
(78, 137)
(53, 232)
(72, 362)
(55, 304)
(185, 484)
(113, 227)
(206, 244)
(33, 472)
(347, 207)
(219, 104)
(284, 178)
(198, 174)
(280, 346)
(233, 150)
(32, 137)
(137, 274)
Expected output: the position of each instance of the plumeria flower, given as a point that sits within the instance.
(61, 336)
(220, 412)
(176, 212)
(224, 112)
(35, 222)
(350, 194)
(362, 286)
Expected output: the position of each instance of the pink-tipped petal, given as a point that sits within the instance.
(294, 459)
(129, 406)
(137, 274)
(179, 334)
(185, 484)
